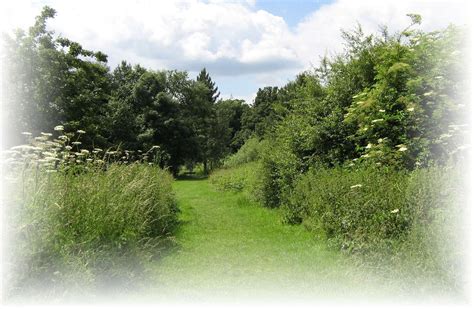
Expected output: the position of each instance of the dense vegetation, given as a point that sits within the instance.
(80, 219)
(51, 80)
(365, 150)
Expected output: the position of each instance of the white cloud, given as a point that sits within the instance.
(230, 38)
(320, 33)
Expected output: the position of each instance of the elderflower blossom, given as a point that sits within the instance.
(59, 128)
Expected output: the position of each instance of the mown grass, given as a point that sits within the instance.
(230, 248)
(406, 226)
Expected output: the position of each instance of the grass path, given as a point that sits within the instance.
(230, 248)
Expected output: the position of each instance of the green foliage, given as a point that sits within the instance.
(249, 152)
(90, 226)
(380, 212)
(354, 209)
(244, 178)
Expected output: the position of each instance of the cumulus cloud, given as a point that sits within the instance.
(230, 38)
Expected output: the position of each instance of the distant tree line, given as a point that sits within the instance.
(50, 80)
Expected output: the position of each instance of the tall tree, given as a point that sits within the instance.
(213, 92)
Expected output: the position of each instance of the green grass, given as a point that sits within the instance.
(230, 248)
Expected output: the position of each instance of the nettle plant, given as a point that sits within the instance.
(414, 115)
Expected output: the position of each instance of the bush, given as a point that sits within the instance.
(243, 178)
(354, 209)
(249, 152)
(381, 214)
(89, 227)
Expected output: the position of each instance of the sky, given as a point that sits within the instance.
(244, 44)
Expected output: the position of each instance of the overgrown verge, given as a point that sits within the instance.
(78, 221)
(404, 223)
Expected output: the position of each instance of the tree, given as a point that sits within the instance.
(213, 92)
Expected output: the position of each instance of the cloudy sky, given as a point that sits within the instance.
(243, 44)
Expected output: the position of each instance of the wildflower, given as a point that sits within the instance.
(68, 147)
(403, 148)
(380, 140)
(365, 129)
(155, 146)
(356, 186)
(78, 161)
(369, 145)
(76, 143)
(110, 152)
(377, 120)
(85, 151)
(81, 131)
(382, 110)
(411, 109)
(78, 154)
(396, 210)
(98, 149)
(365, 155)
(59, 128)
(89, 160)
(63, 137)
(26, 133)
(46, 134)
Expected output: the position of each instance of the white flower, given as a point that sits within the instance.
(26, 133)
(382, 110)
(403, 148)
(46, 134)
(356, 186)
(411, 109)
(98, 149)
(369, 145)
(63, 137)
(76, 143)
(81, 131)
(395, 211)
(68, 147)
(59, 128)
(84, 151)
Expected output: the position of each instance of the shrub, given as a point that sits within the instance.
(243, 178)
(249, 152)
(354, 209)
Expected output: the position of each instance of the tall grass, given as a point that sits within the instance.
(76, 222)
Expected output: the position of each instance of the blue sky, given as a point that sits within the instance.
(244, 44)
(291, 11)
